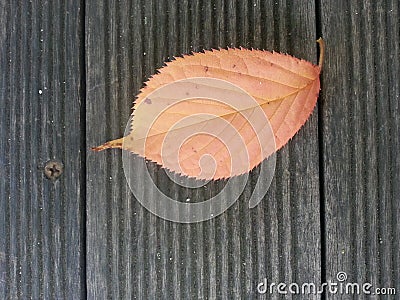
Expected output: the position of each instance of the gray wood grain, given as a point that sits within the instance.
(41, 233)
(360, 137)
(54, 245)
(131, 252)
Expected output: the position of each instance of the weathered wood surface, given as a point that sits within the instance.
(138, 254)
(332, 206)
(360, 138)
(41, 222)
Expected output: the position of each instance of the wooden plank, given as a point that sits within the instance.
(131, 252)
(42, 241)
(360, 137)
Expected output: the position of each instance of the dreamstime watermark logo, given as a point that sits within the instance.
(225, 120)
(339, 286)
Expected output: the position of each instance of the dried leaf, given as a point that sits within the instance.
(188, 128)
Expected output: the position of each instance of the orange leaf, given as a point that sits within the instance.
(220, 113)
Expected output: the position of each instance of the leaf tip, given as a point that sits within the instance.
(111, 144)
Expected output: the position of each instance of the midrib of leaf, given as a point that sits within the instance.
(262, 105)
(206, 145)
(253, 76)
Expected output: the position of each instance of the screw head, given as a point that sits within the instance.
(53, 169)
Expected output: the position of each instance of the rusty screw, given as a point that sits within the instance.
(53, 169)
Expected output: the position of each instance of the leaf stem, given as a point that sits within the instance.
(321, 43)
